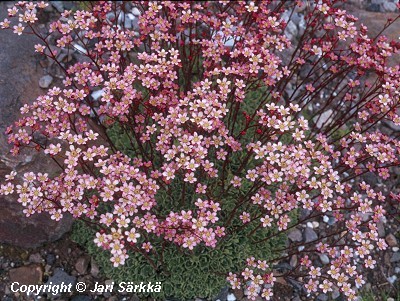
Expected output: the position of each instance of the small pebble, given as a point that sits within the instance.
(392, 279)
(35, 258)
(50, 258)
(310, 235)
(324, 258)
(45, 81)
(310, 225)
(295, 235)
(391, 240)
(395, 249)
(97, 94)
(325, 219)
(136, 12)
(231, 297)
(315, 224)
(293, 261)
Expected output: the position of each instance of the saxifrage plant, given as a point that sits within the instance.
(205, 131)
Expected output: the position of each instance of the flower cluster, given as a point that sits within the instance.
(199, 91)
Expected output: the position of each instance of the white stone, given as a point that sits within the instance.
(58, 5)
(395, 249)
(45, 81)
(231, 297)
(310, 225)
(324, 118)
(80, 48)
(389, 6)
(326, 219)
(121, 17)
(97, 94)
(315, 224)
(324, 258)
(136, 12)
(392, 279)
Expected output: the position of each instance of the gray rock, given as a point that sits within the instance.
(295, 235)
(302, 25)
(291, 31)
(305, 70)
(58, 5)
(59, 277)
(45, 81)
(223, 294)
(68, 4)
(389, 6)
(297, 285)
(82, 264)
(373, 7)
(7, 291)
(395, 257)
(64, 56)
(324, 118)
(50, 259)
(110, 16)
(128, 20)
(381, 229)
(322, 297)
(283, 266)
(231, 297)
(335, 294)
(291, 27)
(136, 12)
(296, 18)
(97, 94)
(378, 1)
(310, 235)
(391, 240)
(19, 77)
(94, 269)
(49, 9)
(324, 258)
(135, 25)
(392, 279)
(35, 258)
(293, 261)
(47, 268)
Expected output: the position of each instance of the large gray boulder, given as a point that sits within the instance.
(19, 77)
